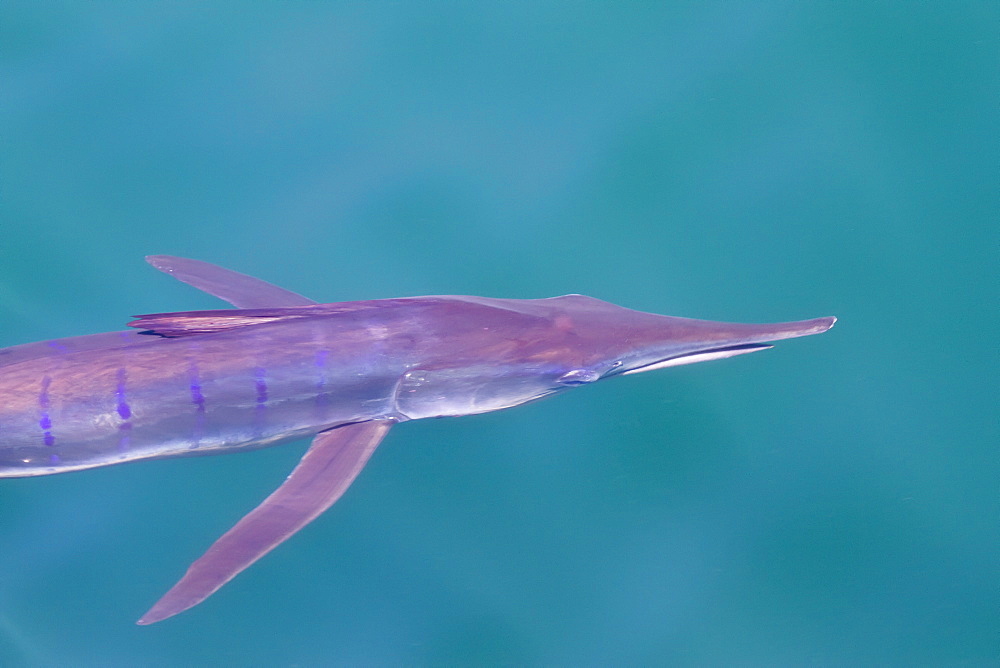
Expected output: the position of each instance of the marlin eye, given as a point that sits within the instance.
(578, 377)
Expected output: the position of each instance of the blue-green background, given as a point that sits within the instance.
(833, 501)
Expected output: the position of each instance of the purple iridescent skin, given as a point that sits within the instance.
(281, 367)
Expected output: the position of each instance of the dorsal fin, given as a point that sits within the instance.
(190, 323)
(238, 289)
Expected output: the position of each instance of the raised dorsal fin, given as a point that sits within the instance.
(238, 289)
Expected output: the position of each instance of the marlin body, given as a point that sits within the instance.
(281, 367)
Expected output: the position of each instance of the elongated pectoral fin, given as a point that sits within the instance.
(327, 469)
(238, 289)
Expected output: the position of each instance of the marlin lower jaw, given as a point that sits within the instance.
(701, 356)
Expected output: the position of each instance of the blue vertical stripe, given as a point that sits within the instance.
(124, 412)
(44, 419)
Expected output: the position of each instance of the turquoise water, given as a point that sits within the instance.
(833, 501)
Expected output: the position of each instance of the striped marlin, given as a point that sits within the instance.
(281, 367)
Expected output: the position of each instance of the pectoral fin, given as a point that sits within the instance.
(238, 289)
(327, 469)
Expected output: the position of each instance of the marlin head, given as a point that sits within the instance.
(521, 350)
(612, 340)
